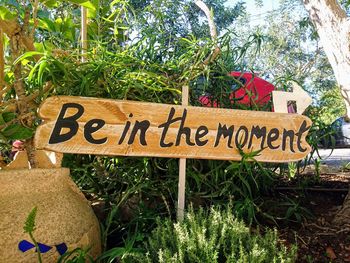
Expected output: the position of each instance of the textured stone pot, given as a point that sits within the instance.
(64, 217)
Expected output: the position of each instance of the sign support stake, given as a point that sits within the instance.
(83, 33)
(182, 170)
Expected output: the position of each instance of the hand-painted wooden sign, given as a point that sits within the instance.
(300, 96)
(129, 128)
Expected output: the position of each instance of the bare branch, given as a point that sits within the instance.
(210, 18)
(213, 33)
(25, 26)
(20, 40)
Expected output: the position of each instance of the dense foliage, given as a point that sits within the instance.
(146, 51)
(210, 237)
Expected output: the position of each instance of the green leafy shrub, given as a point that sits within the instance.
(211, 237)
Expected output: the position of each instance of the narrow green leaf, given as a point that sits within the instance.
(33, 70)
(2, 121)
(27, 55)
(17, 132)
(46, 23)
(8, 116)
(29, 225)
(42, 68)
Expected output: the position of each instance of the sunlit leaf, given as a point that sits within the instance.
(27, 55)
(42, 68)
(47, 24)
(50, 3)
(6, 14)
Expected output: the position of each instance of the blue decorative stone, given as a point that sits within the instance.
(43, 248)
(61, 248)
(24, 246)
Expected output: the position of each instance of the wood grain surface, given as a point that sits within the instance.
(205, 140)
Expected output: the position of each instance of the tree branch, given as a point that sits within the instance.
(20, 40)
(10, 27)
(2, 61)
(35, 19)
(210, 18)
(212, 29)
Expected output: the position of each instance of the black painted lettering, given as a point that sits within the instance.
(125, 131)
(225, 132)
(166, 126)
(184, 130)
(66, 122)
(303, 128)
(200, 133)
(286, 134)
(142, 127)
(241, 141)
(258, 133)
(92, 126)
(273, 135)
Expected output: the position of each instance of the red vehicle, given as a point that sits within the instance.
(254, 90)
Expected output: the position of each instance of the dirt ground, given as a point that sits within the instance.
(317, 238)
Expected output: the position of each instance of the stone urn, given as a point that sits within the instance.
(64, 219)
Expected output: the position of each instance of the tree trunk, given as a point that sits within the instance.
(333, 28)
(20, 39)
(23, 107)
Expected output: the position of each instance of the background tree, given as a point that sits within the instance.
(289, 49)
(165, 23)
(333, 28)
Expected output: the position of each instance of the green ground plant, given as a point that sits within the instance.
(77, 255)
(214, 236)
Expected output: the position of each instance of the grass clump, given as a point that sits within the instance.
(214, 236)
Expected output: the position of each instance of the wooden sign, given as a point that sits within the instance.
(300, 96)
(129, 128)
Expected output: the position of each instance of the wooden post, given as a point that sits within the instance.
(83, 33)
(2, 61)
(182, 170)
